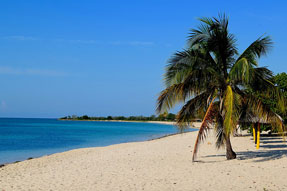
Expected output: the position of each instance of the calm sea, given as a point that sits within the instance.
(24, 138)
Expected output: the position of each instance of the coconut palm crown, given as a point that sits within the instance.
(217, 83)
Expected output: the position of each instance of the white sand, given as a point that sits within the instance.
(163, 164)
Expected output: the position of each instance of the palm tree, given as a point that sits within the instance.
(216, 83)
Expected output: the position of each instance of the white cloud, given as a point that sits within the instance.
(77, 41)
(19, 37)
(84, 41)
(119, 43)
(133, 43)
(30, 71)
(80, 41)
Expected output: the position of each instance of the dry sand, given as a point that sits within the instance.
(162, 164)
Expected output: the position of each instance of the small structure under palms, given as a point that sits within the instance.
(215, 82)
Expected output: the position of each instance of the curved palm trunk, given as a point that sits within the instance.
(230, 154)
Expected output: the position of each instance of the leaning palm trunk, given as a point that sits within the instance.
(215, 82)
(230, 154)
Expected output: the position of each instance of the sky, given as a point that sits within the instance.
(65, 57)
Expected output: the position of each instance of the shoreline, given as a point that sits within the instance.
(151, 139)
(161, 164)
(195, 126)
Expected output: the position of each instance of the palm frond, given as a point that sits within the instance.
(257, 49)
(241, 71)
(222, 44)
(228, 105)
(231, 110)
(206, 122)
(183, 63)
(196, 82)
(261, 83)
(179, 66)
(219, 129)
(202, 33)
(169, 97)
(258, 111)
(261, 80)
(193, 109)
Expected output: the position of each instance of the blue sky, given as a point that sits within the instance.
(103, 58)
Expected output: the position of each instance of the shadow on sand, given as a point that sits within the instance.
(271, 148)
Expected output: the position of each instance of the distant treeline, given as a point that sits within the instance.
(161, 117)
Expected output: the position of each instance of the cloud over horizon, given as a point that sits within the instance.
(19, 37)
(31, 71)
(80, 41)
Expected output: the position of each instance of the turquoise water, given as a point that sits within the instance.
(24, 138)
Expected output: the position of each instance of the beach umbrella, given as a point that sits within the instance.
(256, 125)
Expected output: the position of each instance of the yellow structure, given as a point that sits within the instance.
(256, 134)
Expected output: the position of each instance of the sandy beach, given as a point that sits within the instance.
(162, 164)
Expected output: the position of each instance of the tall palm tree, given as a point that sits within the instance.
(216, 83)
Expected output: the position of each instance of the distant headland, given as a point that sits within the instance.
(167, 117)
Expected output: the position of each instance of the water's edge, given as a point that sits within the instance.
(152, 139)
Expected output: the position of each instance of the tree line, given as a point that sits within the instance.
(161, 117)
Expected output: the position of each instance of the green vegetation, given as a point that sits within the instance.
(280, 80)
(161, 117)
(219, 85)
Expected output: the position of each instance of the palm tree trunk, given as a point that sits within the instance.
(230, 154)
(258, 136)
(254, 132)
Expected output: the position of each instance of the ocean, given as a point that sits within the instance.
(24, 138)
